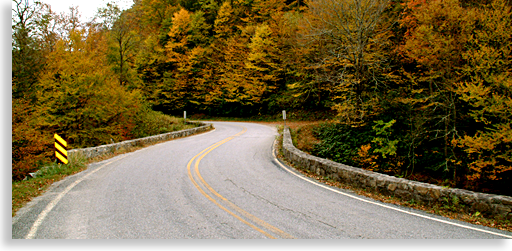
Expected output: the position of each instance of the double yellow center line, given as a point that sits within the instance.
(240, 214)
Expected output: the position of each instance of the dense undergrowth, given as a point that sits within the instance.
(32, 153)
(382, 147)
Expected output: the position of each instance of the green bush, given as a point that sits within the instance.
(340, 142)
(149, 123)
(375, 146)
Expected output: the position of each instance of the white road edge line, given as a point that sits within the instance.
(382, 205)
(32, 232)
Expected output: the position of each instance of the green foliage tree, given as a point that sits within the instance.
(27, 55)
(383, 132)
(123, 41)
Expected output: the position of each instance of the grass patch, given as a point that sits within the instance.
(23, 191)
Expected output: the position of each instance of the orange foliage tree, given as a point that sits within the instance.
(487, 89)
(461, 85)
(440, 75)
(78, 95)
(349, 35)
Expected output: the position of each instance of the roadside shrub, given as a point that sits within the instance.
(149, 122)
(374, 147)
(340, 143)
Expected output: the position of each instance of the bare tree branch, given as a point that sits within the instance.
(347, 35)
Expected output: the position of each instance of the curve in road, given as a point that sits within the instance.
(256, 221)
(223, 184)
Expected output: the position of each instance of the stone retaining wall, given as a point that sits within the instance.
(92, 152)
(490, 205)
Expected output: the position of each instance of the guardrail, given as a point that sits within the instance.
(496, 206)
(92, 152)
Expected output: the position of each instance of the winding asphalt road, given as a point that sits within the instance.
(224, 184)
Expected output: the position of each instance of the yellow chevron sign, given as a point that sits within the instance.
(60, 149)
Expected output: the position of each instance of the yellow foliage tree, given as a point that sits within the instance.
(80, 98)
(488, 91)
(347, 38)
(263, 62)
(225, 22)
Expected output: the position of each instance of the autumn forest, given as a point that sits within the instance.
(412, 86)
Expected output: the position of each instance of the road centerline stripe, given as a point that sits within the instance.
(197, 159)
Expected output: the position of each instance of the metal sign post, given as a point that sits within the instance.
(284, 117)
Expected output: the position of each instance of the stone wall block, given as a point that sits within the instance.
(92, 152)
(484, 203)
